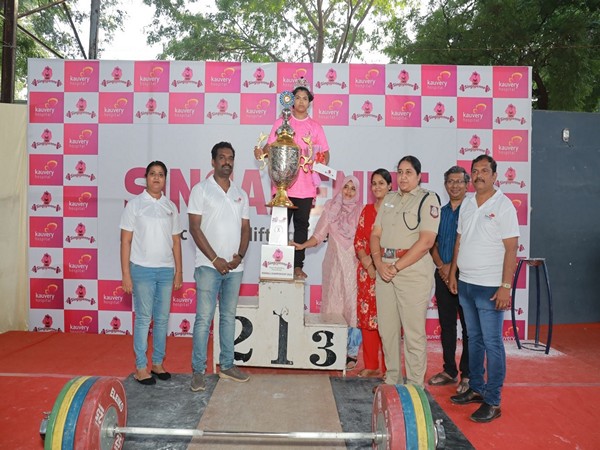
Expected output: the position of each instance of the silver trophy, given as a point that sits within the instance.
(284, 157)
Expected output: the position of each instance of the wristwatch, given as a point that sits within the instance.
(506, 285)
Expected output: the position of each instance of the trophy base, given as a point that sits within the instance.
(281, 200)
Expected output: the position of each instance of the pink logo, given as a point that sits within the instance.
(80, 321)
(112, 297)
(81, 106)
(115, 328)
(331, 109)
(403, 78)
(81, 76)
(520, 203)
(510, 176)
(45, 170)
(511, 116)
(46, 265)
(402, 111)
(331, 77)
(439, 80)
(439, 110)
(80, 263)
(257, 109)
(46, 78)
(151, 106)
(222, 106)
(46, 107)
(278, 255)
(47, 322)
(184, 299)
(80, 297)
(511, 82)
(46, 294)
(151, 76)
(474, 112)
(46, 199)
(223, 76)
(511, 145)
(81, 139)
(80, 201)
(80, 169)
(288, 75)
(187, 78)
(80, 235)
(117, 75)
(46, 140)
(367, 108)
(475, 80)
(367, 79)
(45, 232)
(186, 108)
(474, 143)
(116, 107)
(259, 79)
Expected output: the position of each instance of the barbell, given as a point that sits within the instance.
(90, 413)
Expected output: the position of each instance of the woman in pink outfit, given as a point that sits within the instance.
(338, 221)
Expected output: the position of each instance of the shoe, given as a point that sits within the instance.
(351, 362)
(164, 376)
(368, 373)
(463, 386)
(146, 381)
(441, 379)
(467, 397)
(486, 413)
(198, 382)
(234, 374)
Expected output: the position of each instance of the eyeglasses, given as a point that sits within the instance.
(455, 182)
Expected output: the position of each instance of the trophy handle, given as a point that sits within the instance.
(306, 161)
(261, 138)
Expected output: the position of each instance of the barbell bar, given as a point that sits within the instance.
(90, 413)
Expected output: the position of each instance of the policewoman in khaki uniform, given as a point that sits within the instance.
(405, 229)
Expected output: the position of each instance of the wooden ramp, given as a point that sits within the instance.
(279, 403)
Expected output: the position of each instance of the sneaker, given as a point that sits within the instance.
(234, 374)
(198, 382)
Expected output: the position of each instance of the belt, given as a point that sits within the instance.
(392, 252)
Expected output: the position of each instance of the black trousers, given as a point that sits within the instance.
(448, 306)
(300, 217)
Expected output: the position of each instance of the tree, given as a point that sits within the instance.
(271, 30)
(559, 39)
(53, 27)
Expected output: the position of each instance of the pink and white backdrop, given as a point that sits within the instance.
(95, 125)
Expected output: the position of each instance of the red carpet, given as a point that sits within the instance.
(548, 401)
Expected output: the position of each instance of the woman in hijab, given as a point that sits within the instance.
(339, 221)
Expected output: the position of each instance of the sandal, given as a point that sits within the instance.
(441, 379)
(351, 362)
(463, 386)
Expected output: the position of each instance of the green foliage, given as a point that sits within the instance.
(52, 27)
(559, 39)
(269, 30)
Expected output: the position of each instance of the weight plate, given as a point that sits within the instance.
(52, 417)
(71, 422)
(387, 418)
(105, 405)
(419, 416)
(61, 417)
(410, 423)
(428, 418)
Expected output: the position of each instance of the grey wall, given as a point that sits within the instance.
(565, 215)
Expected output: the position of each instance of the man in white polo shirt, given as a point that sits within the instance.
(485, 254)
(220, 225)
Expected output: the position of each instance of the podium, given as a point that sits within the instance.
(273, 329)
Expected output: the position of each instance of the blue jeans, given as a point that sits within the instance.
(152, 288)
(210, 284)
(484, 325)
(354, 341)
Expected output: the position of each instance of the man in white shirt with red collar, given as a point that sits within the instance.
(485, 254)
